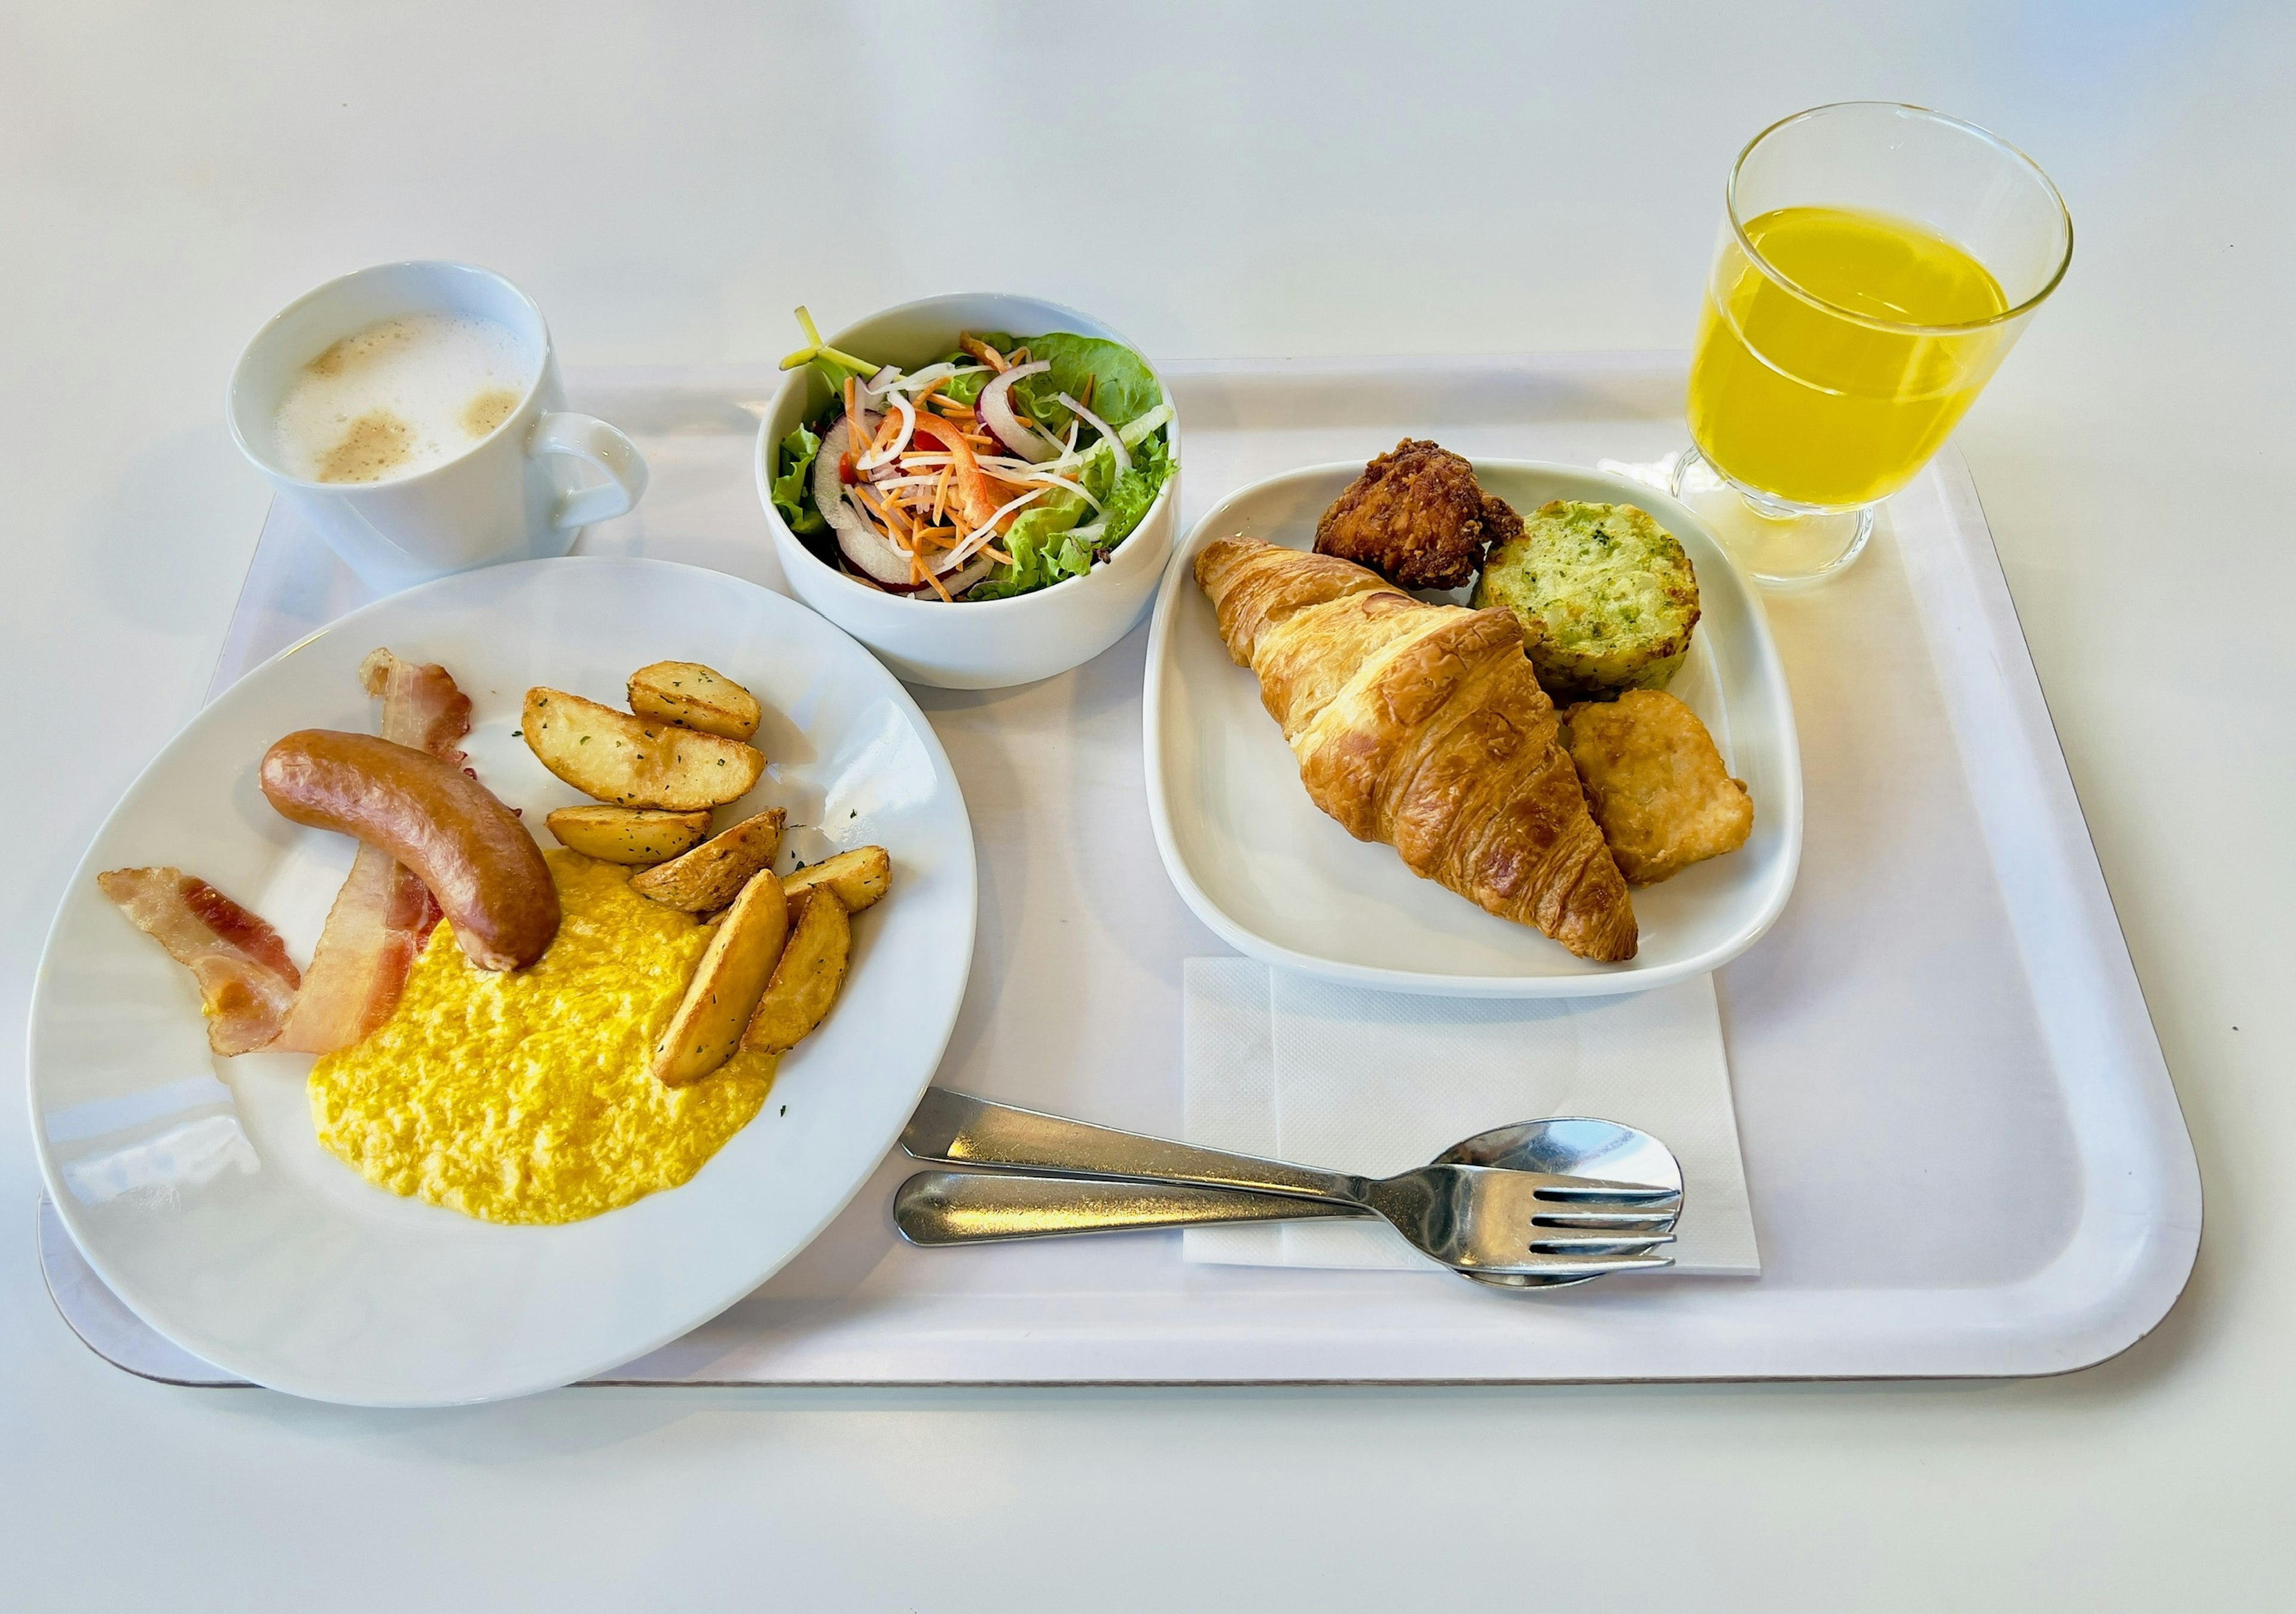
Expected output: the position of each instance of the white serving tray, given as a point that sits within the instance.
(1963, 1151)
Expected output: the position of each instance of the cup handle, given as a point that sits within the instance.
(595, 442)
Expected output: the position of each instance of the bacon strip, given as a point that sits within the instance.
(247, 982)
(383, 916)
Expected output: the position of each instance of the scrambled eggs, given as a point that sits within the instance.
(524, 1096)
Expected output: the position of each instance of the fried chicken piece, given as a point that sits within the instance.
(1416, 517)
(1656, 783)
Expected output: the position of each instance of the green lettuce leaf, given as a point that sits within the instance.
(1046, 522)
(1041, 550)
(1127, 502)
(1123, 387)
(794, 488)
(1097, 475)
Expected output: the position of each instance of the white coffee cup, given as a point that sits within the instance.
(504, 499)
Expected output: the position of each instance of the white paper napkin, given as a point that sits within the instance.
(1286, 1066)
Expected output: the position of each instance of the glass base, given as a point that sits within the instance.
(1779, 546)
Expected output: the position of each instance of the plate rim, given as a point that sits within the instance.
(318, 1390)
(1180, 573)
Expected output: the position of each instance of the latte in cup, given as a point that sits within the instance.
(400, 396)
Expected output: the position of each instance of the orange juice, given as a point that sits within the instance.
(1827, 398)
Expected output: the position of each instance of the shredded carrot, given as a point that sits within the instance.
(940, 494)
(986, 354)
(939, 588)
(892, 518)
(996, 554)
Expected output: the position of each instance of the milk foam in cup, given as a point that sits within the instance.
(413, 416)
(399, 397)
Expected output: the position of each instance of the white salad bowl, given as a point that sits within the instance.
(982, 644)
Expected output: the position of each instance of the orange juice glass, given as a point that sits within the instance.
(1877, 263)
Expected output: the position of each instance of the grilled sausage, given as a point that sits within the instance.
(471, 852)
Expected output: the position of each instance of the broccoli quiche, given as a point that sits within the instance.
(1605, 595)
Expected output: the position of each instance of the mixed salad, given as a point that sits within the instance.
(1010, 464)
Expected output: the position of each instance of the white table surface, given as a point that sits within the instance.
(1218, 179)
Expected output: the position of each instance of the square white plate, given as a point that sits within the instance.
(1279, 881)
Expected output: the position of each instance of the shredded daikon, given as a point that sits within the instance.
(1107, 432)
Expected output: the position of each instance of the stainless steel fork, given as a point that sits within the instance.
(1483, 1220)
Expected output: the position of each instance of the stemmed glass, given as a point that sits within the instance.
(1877, 263)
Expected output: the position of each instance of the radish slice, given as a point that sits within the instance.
(892, 451)
(863, 547)
(828, 478)
(956, 582)
(996, 411)
(1107, 433)
(866, 547)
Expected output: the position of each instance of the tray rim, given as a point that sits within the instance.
(2144, 1289)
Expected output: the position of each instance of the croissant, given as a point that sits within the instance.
(1422, 726)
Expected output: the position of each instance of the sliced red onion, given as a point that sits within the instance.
(892, 450)
(996, 411)
(1108, 432)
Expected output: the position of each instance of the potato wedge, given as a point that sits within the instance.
(713, 873)
(858, 877)
(805, 981)
(631, 835)
(697, 696)
(733, 975)
(628, 762)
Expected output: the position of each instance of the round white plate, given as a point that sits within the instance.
(1282, 883)
(195, 1186)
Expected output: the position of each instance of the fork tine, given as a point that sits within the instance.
(1543, 1240)
(1592, 1190)
(1656, 1220)
(1567, 1267)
